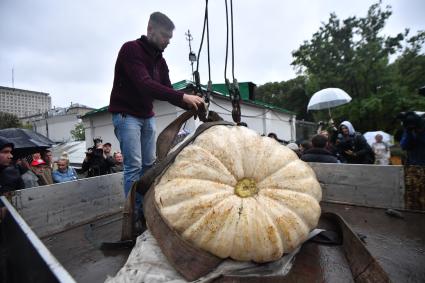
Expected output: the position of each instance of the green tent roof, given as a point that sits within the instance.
(99, 110)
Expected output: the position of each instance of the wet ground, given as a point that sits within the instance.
(398, 244)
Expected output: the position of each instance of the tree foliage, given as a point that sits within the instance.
(8, 120)
(78, 133)
(381, 73)
(291, 95)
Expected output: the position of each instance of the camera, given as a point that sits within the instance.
(96, 141)
(95, 150)
(412, 120)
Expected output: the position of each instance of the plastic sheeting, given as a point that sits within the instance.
(147, 263)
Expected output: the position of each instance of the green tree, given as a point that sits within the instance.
(290, 95)
(8, 120)
(354, 56)
(78, 133)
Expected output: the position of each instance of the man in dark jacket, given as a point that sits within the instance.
(141, 75)
(413, 139)
(352, 146)
(319, 153)
(10, 176)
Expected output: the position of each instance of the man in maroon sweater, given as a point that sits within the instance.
(141, 75)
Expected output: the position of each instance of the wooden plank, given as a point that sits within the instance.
(371, 185)
(54, 208)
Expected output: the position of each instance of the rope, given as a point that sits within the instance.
(233, 48)
(208, 40)
(245, 116)
(227, 41)
(202, 38)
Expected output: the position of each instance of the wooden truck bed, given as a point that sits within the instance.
(72, 220)
(397, 244)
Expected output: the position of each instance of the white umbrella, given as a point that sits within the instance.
(370, 137)
(328, 98)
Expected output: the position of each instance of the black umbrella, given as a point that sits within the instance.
(26, 141)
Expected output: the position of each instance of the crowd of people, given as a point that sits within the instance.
(41, 168)
(341, 145)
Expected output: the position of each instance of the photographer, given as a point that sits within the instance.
(413, 139)
(96, 163)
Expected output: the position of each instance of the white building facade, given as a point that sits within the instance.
(57, 124)
(22, 102)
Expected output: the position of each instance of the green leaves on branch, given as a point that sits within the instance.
(8, 120)
(382, 73)
(78, 133)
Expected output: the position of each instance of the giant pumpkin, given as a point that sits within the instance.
(236, 194)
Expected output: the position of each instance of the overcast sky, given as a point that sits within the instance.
(68, 48)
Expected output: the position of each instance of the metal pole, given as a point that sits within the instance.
(189, 38)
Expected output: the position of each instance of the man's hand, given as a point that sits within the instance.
(350, 152)
(193, 100)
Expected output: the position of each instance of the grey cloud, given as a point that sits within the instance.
(68, 48)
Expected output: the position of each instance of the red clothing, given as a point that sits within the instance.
(141, 75)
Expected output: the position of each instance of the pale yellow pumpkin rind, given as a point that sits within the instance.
(196, 195)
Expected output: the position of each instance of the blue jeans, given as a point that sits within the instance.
(137, 143)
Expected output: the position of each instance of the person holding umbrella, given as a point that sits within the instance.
(326, 99)
(381, 150)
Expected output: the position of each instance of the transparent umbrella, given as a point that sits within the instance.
(328, 98)
(370, 137)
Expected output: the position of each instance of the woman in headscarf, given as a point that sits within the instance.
(352, 146)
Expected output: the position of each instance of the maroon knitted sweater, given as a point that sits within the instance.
(141, 75)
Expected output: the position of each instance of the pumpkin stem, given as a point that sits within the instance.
(246, 188)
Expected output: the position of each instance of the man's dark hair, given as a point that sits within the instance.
(272, 135)
(306, 144)
(319, 141)
(5, 142)
(158, 19)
